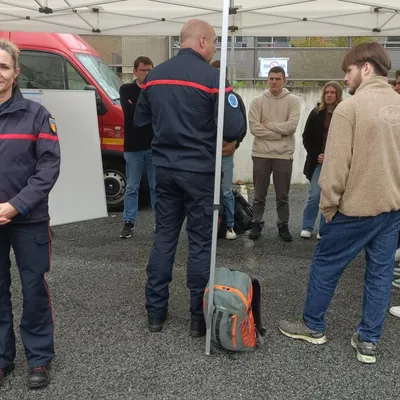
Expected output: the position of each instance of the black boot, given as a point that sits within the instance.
(4, 372)
(255, 232)
(197, 328)
(284, 233)
(155, 324)
(39, 377)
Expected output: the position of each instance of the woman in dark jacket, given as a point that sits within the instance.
(29, 168)
(314, 140)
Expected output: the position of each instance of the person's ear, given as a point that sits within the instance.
(202, 42)
(17, 71)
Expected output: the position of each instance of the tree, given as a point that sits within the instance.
(339, 41)
(310, 41)
(362, 39)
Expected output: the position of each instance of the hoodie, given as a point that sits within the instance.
(273, 121)
(360, 176)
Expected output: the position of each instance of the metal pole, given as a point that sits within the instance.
(218, 162)
(232, 74)
(170, 44)
(255, 59)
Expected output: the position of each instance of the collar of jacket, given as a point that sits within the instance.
(18, 102)
(191, 51)
(375, 82)
(318, 111)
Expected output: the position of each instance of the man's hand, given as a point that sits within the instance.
(7, 213)
(329, 219)
(321, 158)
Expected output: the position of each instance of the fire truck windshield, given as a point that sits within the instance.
(103, 75)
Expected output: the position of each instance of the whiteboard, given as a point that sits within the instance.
(79, 194)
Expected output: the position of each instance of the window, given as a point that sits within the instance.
(103, 75)
(393, 41)
(40, 70)
(75, 80)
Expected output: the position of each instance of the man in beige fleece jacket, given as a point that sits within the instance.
(273, 119)
(360, 200)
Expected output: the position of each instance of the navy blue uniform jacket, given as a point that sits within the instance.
(29, 158)
(180, 99)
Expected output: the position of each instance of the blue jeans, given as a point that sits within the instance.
(342, 239)
(135, 162)
(311, 209)
(228, 200)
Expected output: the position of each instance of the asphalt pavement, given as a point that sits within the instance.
(104, 350)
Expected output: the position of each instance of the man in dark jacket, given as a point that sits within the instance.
(137, 146)
(180, 98)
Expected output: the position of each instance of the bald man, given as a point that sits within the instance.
(180, 98)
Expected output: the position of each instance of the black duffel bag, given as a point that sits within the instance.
(243, 216)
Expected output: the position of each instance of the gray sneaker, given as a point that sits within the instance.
(127, 231)
(298, 330)
(365, 350)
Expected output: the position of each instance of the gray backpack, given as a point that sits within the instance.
(236, 320)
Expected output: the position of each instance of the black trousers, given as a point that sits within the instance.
(180, 194)
(32, 248)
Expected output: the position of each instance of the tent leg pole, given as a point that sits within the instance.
(218, 162)
(232, 76)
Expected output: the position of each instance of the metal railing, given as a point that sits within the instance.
(304, 63)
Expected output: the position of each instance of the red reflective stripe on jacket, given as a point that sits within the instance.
(18, 136)
(184, 83)
(47, 136)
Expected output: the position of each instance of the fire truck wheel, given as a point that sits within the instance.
(115, 183)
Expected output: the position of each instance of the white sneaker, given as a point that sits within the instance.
(395, 311)
(397, 255)
(319, 236)
(230, 234)
(397, 270)
(305, 234)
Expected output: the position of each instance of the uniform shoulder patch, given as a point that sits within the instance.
(233, 101)
(52, 124)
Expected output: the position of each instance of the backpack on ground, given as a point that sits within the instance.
(222, 228)
(236, 317)
(243, 213)
(243, 216)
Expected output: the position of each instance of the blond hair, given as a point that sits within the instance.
(11, 49)
(339, 93)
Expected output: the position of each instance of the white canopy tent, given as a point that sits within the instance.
(239, 17)
(165, 17)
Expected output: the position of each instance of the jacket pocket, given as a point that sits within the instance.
(43, 252)
(208, 217)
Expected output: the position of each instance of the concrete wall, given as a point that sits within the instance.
(243, 170)
(156, 48)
